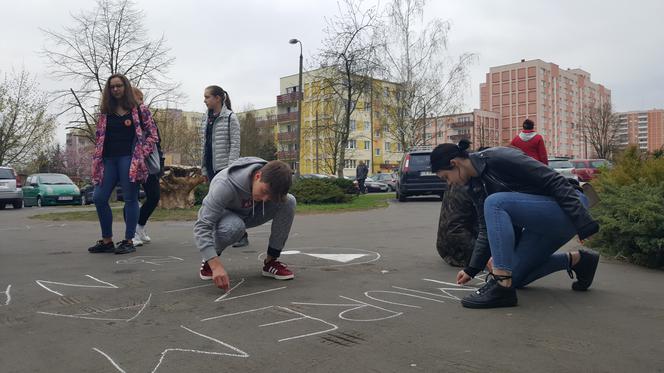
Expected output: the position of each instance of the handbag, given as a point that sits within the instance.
(154, 162)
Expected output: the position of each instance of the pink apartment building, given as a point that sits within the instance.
(479, 126)
(642, 128)
(552, 97)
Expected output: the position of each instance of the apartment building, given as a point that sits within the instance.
(642, 128)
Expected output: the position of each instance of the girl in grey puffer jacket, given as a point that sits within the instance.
(220, 132)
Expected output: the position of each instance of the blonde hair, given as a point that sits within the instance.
(138, 94)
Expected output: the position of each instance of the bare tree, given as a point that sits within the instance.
(107, 40)
(348, 61)
(25, 126)
(257, 139)
(431, 82)
(178, 137)
(600, 129)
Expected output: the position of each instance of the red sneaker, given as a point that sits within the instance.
(205, 272)
(277, 270)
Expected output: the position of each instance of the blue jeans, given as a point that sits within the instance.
(545, 228)
(116, 170)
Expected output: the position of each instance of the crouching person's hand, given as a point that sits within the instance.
(219, 275)
(462, 277)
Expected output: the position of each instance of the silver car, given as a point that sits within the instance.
(10, 189)
(564, 167)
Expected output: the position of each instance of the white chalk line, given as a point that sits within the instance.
(42, 282)
(239, 353)
(447, 295)
(281, 322)
(236, 313)
(9, 296)
(334, 327)
(356, 306)
(229, 291)
(109, 359)
(250, 294)
(193, 287)
(79, 316)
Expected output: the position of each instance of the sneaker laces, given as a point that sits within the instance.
(488, 283)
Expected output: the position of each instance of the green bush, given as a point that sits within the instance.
(317, 191)
(631, 211)
(200, 192)
(345, 185)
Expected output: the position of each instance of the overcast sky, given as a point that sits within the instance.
(243, 45)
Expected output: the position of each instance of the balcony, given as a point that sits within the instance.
(460, 136)
(288, 98)
(287, 136)
(266, 123)
(287, 154)
(287, 117)
(464, 124)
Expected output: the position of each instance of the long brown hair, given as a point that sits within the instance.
(215, 90)
(109, 104)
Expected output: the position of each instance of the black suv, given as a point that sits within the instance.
(415, 176)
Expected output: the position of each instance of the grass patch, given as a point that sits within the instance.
(362, 202)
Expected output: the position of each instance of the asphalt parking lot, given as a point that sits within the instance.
(370, 295)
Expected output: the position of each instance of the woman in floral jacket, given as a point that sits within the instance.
(126, 135)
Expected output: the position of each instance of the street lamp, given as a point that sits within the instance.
(299, 111)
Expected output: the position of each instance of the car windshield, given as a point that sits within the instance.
(6, 173)
(560, 164)
(579, 164)
(419, 162)
(55, 180)
(598, 163)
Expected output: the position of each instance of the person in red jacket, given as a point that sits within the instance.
(531, 142)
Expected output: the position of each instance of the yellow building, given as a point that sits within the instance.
(321, 118)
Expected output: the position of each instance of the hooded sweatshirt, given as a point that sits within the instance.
(531, 143)
(230, 191)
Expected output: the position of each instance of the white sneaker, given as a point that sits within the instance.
(142, 235)
(137, 241)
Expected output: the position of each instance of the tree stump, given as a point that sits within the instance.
(177, 186)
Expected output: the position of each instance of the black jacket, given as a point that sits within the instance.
(503, 169)
(361, 172)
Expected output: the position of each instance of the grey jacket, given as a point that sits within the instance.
(225, 140)
(230, 190)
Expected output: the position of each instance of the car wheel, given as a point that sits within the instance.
(18, 204)
(2, 206)
(401, 197)
(39, 202)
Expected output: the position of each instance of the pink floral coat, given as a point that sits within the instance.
(138, 170)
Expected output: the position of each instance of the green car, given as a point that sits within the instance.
(50, 190)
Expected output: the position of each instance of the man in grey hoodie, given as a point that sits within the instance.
(248, 193)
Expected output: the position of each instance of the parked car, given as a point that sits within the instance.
(389, 179)
(587, 169)
(370, 184)
(315, 176)
(120, 198)
(10, 188)
(50, 190)
(415, 176)
(87, 192)
(564, 167)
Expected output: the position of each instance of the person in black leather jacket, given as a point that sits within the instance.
(514, 193)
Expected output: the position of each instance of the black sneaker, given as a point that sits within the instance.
(244, 241)
(491, 295)
(125, 247)
(101, 247)
(585, 270)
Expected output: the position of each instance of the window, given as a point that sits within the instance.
(291, 89)
(352, 144)
(353, 126)
(387, 147)
(377, 133)
(377, 151)
(367, 106)
(399, 148)
(367, 125)
(367, 145)
(386, 92)
(350, 163)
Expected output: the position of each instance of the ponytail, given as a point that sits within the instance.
(215, 90)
